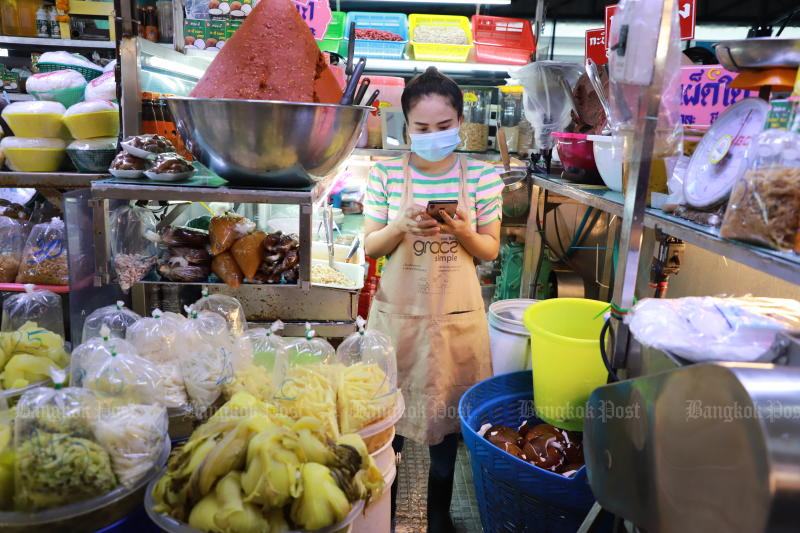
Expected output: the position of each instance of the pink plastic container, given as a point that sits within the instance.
(576, 153)
(391, 89)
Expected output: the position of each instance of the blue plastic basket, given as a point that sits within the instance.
(513, 495)
(394, 22)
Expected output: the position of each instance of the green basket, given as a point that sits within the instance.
(335, 33)
(87, 73)
(67, 97)
(92, 161)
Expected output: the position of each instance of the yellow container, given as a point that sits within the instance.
(565, 351)
(440, 52)
(94, 124)
(35, 119)
(33, 155)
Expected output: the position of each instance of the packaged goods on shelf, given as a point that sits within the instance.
(133, 237)
(227, 307)
(92, 155)
(13, 234)
(40, 306)
(38, 154)
(92, 119)
(35, 119)
(44, 259)
(116, 318)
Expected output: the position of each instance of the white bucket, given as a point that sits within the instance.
(378, 516)
(509, 339)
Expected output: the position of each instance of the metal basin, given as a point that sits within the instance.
(265, 143)
(762, 52)
(516, 193)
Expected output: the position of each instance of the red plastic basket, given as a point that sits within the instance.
(502, 40)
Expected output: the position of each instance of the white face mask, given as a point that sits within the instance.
(435, 146)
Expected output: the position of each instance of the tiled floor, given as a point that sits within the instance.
(411, 495)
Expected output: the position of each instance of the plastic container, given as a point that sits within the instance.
(385, 456)
(502, 40)
(335, 34)
(475, 128)
(378, 516)
(608, 158)
(35, 119)
(92, 155)
(354, 272)
(88, 73)
(576, 153)
(67, 97)
(391, 89)
(567, 365)
(319, 250)
(33, 155)
(440, 52)
(396, 23)
(378, 434)
(512, 494)
(509, 339)
(511, 114)
(96, 118)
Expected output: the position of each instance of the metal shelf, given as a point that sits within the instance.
(38, 42)
(785, 265)
(412, 66)
(489, 157)
(150, 191)
(55, 180)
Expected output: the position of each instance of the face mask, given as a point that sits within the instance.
(435, 146)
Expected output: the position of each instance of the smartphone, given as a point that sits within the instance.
(436, 206)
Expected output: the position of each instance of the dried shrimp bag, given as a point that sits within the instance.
(305, 381)
(94, 352)
(227, 307)
(254, 362)
(764, 207)
(57, 458)
(44, 258)
(41, 307)
(367, 383)
(115, 317)
(206, 366)
(6, 456)
(133, 243)
(13, 233)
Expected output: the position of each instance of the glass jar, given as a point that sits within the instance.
(511, 114)
(475, 129)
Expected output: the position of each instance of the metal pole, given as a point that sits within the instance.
(639, 150)
(538, 26)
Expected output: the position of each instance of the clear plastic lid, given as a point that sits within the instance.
(92, 353)
(92, 106)
(102, 143)
(226, 306)
(39, 306)
(35, 107)
(35, 142)
(116, 317)
(367, 385)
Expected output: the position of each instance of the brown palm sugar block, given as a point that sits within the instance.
(272, 56)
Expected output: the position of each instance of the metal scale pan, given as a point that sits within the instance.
(758, 53)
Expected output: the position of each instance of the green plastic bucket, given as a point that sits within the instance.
(565, 353)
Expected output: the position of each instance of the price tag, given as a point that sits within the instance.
(317, 14)
(595, 46)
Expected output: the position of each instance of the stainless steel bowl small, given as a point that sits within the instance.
(516, 193)
(267, 143)
(762, 52)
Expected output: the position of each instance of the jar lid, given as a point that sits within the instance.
(510, 89)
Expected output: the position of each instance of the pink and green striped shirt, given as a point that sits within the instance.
(385, 190)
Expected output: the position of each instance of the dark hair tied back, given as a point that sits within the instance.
(432, 82)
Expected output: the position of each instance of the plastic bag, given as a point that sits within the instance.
(764, 207)
(367, 385)
(28, 353)
(173, 388)
(40, 306)
(156, 338)
(305, 380)
(713, 329)
(13, 233)
(225, 229)
(124, 378)
(225, 266)
(6, 456)
(92, 353)
(249, 252)
(206, 365)
(227, 307)
(266, 344)
(133, 250)
(179, 236)
(116, 317)
(44, 259)
(254, 362)
(58, 461)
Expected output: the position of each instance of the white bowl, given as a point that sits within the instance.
(169, 176)
(608, 158)
(127, 174)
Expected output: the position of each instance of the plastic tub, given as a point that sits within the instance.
(396, 23)
(608, 158)
(88, 73)
(93, 155)
(89, 120)
(354, 272)
(502, 40)
(391, 89)
(509, 339)
(87, 515)
(385, 455)
(576, 153)
(512, 494)
(335, 34)
(67, 97)
(33, 155)
(376, 435)
(35, 119)
(441, 52)
(567, 365)
(377, 518)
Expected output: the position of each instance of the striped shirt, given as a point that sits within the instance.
(385, 190)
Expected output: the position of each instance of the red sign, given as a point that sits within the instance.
(317, 14)
(595, 46)
(687, 16)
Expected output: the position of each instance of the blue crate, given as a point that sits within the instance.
(512, 494)
(394, 22)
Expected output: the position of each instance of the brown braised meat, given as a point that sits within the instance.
(180, 236)
(155, 144)
(126, 161)
(171, 163)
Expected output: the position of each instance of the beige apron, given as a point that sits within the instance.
(429, 302)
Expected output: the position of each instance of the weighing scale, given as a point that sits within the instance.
(765, 64)
(723, 155)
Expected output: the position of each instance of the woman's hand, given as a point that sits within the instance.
(416, 222)
(457, 226)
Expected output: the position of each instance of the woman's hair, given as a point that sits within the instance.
(432, 82)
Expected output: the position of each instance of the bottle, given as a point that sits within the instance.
(151, 24)
(55, 25)
(42, 23)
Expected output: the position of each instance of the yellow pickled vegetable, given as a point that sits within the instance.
(309, 390)
(24, 369)
(322, 503)
(365, 395)
(6, 463)
(27, 354)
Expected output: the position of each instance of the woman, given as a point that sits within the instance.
(429, 301)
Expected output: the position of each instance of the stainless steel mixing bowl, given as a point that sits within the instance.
(265, 143)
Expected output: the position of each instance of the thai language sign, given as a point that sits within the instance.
(706, 93)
